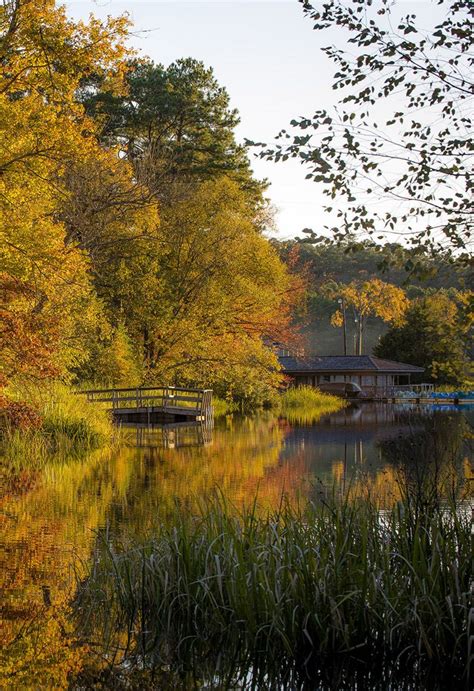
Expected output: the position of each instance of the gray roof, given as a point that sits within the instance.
(344, 363)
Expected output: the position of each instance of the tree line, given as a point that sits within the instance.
(131, 225)
(358, 304)
(132, 246)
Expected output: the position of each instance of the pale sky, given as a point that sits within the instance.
(266, 55)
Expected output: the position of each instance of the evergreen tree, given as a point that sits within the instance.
(174, 123)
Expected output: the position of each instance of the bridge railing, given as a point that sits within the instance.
(169, 398)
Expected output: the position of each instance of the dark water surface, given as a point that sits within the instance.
(49, 518)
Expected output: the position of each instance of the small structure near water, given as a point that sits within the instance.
(375, 376)
(155, 403)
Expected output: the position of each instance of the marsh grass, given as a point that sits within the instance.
(71, 424)
(288, 591)
(305, 404)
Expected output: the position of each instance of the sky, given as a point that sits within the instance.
(269, 59)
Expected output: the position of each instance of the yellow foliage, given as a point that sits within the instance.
(374, 298)
(337, 319)
(49, 304)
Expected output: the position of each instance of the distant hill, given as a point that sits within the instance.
(323, 264)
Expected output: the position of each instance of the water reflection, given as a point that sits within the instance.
(50, 517)
(172, 436)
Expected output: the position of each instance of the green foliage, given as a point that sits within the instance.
(173, 123)
(350, 261)
(328, 265)
(94, 283)
(113, 361)
(291, 589)
(432, 337)
(209, 293)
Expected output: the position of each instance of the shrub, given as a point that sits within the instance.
(18, 415)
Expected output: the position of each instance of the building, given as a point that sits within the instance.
(370, 372)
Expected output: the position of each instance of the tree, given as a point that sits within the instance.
(174, 123)
(49, 305)
(115, 221)
(92, 283)
(216, 288)
(434, 336)
(113, 360)
(401, 131)
(368, 298)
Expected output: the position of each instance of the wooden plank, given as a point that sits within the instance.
(143, 388)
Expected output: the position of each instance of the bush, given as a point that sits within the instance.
(18, 415)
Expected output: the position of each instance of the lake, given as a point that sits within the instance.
(50, 517)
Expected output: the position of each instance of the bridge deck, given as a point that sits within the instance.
(179, 402)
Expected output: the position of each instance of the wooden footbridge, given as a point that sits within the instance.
(145, 404)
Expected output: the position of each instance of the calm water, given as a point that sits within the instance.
(50, 518)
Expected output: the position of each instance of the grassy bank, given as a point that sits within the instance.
(222, 407)
(303, 404)
(69, 424)
(306, 404)
(289, 593)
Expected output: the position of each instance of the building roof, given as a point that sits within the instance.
(345, 363)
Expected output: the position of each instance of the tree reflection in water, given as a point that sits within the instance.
(50, 516)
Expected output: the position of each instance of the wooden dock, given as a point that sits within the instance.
(169, 403)
(414, 400)
(432, 400)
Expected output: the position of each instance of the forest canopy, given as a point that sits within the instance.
(131, 245)
(132, 228)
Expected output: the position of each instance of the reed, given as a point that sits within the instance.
(305, 404)
(288, 590)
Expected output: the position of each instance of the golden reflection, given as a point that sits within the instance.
(40, 531)
(49, 518)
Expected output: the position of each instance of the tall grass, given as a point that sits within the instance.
(303, 404)
(306, 404)
(289, 591)
(70, 423)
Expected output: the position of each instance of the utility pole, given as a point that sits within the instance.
(342, 305)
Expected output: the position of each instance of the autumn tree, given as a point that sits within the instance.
(94, 283)
(400, 135)
(52, 240)
(114, 220)
(217, 288)
(370, 298)
(434, 335)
